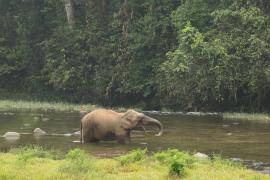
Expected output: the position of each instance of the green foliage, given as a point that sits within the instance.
(212, 54)
(178, 161)
(177, 167)
(225, 65)
(172, 154)
(77, 162)
(133, 156)
(76, 155)
(30, 152)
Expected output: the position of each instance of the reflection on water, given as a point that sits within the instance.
(209, 135)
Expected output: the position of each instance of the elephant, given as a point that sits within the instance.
(108, 125)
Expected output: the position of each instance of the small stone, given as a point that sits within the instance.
(76, 141)
(10, 114)
(201, 156)
(237, 159)
(225, 125)
(82, 112)
(143, 143)
(45, 119)
(229, 134)
(11, 136)
(39, 131)
(194, 113)
(77, 133)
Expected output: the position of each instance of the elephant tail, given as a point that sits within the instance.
(81, 132)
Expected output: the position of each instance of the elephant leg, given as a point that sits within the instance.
(88, 136)
(124, 139)
(94, 140)
(90, 139)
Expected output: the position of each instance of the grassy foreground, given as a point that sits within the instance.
(35, 163)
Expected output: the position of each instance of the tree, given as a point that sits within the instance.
(70, 11)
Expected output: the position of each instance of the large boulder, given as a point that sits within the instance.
(39, 132)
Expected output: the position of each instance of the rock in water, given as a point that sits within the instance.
(11, 136)
(45, 119)
(39, 131)
(201, 156)
(77, 133)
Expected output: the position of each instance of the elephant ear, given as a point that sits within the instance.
(130, 119)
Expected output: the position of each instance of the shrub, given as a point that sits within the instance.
(177, 167)
(177, 160)
(29, 152)
(77, 155)
(133, 156)
(77, 161)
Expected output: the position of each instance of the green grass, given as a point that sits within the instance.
(7, 105)
(36, 105)
(77, 164)
(256, 117)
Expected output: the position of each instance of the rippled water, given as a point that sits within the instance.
(210, 135)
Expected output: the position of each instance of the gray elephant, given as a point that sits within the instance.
(109, 125)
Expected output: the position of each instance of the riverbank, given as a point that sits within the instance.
(29, 163)
(255, 117)
(44, 106)
(7, 105)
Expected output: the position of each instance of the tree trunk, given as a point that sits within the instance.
(70, 10)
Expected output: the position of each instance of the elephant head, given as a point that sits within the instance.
(132, 119)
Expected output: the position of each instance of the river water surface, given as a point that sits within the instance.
(207, 134)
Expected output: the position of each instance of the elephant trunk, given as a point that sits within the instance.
(157, 123)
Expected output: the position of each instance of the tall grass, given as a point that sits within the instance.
(260, 117)
(77, 164)
(7, 105)
(36, 105)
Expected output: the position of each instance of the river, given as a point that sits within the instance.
(238, 140)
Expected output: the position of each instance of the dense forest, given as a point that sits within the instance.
(208, 55)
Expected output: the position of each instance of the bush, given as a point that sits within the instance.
(133, 156)
(77, 161)
(177, 167)
(177, 160)
(29, 152)
(77, 155)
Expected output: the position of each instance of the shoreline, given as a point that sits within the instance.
(7, 105)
